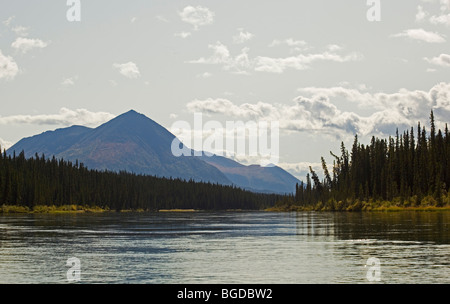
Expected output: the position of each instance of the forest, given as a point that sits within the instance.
(40, 181)
(409, 170)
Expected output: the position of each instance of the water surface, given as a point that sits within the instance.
(226, 247)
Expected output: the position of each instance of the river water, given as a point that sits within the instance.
(226, 247)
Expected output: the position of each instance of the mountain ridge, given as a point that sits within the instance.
(135, 143)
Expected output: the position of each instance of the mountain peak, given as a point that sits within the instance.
(131, 113)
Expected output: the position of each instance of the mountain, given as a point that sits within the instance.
(133, 142)
(130, 142)
(254, 177)
(50, 142)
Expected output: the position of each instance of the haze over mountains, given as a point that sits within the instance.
(133, 142)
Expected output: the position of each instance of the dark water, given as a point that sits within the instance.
(226, 247)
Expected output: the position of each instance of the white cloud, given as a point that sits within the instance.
(315, 110)
(221, 56)
(242, 37)
(243, 64)
(8, 21)
(8, 67)
(300, 169)
(441, 60)
(162, 19)
(26, 44)
(289, 42)
(133, 19)
(441, 19)
(129, 69)
(422, 35)
(197, 16)
(5, 145)
(20, 30)
(334, 47)
(204, 75)
(421, 14)
(69, 81)
(65, 117)
(294, 45)
(183, 34)
(301, 61)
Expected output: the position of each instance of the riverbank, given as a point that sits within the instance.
(13, 209)
(5, 209)
(427, 204)
(358, 207)
(375, 209)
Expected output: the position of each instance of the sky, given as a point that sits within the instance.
(325, 69)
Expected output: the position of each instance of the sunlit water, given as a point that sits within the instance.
(226, 247)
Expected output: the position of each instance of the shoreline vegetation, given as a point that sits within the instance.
(426, 204)
(338, 207)
(13, 209)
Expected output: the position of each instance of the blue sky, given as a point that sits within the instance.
(320, 68)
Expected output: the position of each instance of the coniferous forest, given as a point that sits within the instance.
(39, 181)
(409, 170)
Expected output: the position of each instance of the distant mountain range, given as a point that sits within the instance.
(133, 142)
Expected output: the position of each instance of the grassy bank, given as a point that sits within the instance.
(428, 203)
(4, 209)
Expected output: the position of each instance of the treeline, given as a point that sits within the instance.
(410, 169)
(39, 181)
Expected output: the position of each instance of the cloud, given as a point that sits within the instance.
(301, 61)
(8, 67)
(294, 45)
(197, 16)
(221, 56)
(20, 30)
(204, 75)
(26, 44)
(129, 69)
(224, 106)
(300, 169)
(421, 14)
(65, 117)
(5, 145)
(441, 19)
(162, 19)
(183, 34)
(316, 111)
(8, 21)
(243, 64)
(422, 35)
(242, 37)
(441, 60)
(289, 42)
(69, 81)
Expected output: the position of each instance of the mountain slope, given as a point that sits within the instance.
(254, 177)
(51, 142)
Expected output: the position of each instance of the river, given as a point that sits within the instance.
(226, 247)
